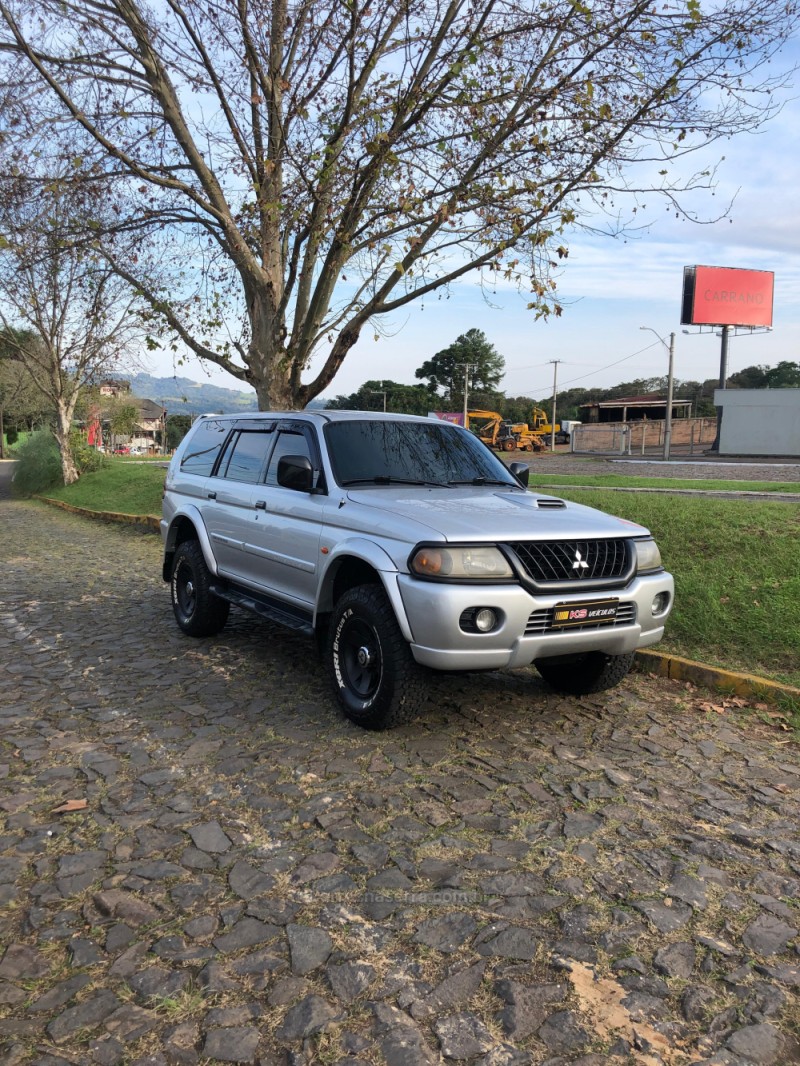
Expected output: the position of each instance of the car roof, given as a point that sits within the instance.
(323, 415)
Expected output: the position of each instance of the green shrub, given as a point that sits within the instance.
(12, 436)
(87, 459)
(39, 465)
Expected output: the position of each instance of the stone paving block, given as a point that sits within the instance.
(406, 894)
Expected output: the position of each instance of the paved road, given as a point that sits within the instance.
(702, 467)
(517, 878)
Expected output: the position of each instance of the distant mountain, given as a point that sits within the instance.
(182, 396)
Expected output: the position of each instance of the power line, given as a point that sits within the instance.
(582, 377)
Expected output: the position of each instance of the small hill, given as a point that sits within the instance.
(182, 396)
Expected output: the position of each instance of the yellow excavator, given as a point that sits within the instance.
(506, 436)
(540, 423)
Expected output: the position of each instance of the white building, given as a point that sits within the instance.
(759, 421)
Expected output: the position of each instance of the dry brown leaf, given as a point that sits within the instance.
(71, 805)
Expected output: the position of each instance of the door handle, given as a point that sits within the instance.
(212, 495)
(261, 505)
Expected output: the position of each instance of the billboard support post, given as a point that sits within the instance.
(723, 381)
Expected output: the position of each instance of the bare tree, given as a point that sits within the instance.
(307, 166)
(64, 312)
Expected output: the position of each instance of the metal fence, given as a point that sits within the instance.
(690, 436)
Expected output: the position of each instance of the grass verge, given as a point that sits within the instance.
(124, 487)
(736, 579)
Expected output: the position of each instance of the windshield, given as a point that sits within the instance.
(412, 452)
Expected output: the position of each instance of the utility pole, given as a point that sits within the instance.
(670, 385)
(379, 392)
(466, 367)
(555, 363)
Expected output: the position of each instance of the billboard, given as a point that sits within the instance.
(726, 296)
(448, 416)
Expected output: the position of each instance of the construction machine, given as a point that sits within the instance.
(492, 429)
(498, 433)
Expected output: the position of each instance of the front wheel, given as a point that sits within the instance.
(197, 610)
(374, 675)
(593, 672)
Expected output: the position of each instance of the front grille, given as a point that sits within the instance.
(541, 621)
(559, 561)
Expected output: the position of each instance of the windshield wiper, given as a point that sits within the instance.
(386, 479)
(485, 481)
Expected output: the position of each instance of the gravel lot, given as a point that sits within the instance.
(517, 878)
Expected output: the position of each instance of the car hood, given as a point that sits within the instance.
(474, 514)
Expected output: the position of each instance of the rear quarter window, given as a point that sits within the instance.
(204, 446)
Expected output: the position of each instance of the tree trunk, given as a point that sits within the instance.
(69, 470)
(2, 435)
(270, 364)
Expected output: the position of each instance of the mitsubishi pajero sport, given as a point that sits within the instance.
(403, 544)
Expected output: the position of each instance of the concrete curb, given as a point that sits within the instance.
(647, 661)
(677, 668)
(143, 521)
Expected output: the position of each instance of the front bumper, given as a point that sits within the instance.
(433, 610)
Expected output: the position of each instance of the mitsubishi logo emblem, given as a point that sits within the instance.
(579, 564)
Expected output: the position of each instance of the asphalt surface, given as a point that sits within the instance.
(701, 467)
(514, 878)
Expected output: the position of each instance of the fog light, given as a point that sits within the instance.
(660, 603)
(485, 619)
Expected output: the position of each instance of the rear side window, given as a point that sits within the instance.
(245, 459)
(204, 446)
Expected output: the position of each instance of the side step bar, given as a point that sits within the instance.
(264, 609)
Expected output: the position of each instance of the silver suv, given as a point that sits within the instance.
(402, 544)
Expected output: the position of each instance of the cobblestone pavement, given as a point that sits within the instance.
(516, 878)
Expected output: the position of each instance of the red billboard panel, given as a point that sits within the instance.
(727, 296)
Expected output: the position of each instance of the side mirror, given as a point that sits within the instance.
(521, 472)
(296, 472)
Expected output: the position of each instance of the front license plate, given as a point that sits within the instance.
(593, 612)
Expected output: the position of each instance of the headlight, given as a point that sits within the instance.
(648, 557)
(482, 562)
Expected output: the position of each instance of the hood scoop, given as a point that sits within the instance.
(551, 504)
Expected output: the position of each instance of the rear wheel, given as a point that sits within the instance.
(373, 672)
(593, 672)
(509, 445)
(197, 610)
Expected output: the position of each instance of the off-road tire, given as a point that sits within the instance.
(386, 687)
(197, 610)
(593, 672)
(509, 445)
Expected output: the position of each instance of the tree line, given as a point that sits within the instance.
(442, 386)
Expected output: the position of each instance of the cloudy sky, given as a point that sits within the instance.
(610, 288)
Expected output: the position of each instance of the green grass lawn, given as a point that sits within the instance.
(121, 486)
(737, 580)
(734, 561)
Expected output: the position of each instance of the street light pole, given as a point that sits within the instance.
(379, 392)
(555, 363)
(670, 382)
